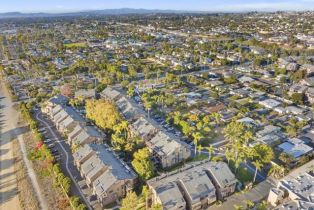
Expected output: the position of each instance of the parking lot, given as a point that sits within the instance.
(63, 154)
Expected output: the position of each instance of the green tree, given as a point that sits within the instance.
(211, 151)
(131, 90)
(276, 171)
(217, 117)
(103, 113)
(261, 154)
(75, 201)
(196, 138)
(157, 207)
(264, 153)
(142, 163)
(131, 201)
(249, 204)
(258, 165)
(298, 98)
(229, 155)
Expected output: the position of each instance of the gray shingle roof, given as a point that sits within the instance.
(193, 179)
(164, 144)
(58, 100)
(222, 174)
(106, 156)
(83, 132)
(110, 93)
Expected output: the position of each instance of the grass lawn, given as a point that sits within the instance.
(76, 45)
(243, 175)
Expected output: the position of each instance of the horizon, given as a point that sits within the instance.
(59, 6)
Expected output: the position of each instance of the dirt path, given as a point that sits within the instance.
(9, 119)
(8, 184)
(32, 175)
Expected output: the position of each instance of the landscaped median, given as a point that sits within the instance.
(51, 178)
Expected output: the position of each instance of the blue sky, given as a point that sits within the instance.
(199, 5)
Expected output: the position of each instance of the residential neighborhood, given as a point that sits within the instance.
(156, 109)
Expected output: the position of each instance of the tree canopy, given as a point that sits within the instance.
(103, 113)
(143, 164)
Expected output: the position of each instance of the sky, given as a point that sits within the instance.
(190, 5)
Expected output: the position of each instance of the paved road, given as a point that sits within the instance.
(71, 171)
(11, 130)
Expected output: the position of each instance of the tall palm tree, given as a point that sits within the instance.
(229, 155)
(196, 137)
(148, 105)
(216, 116)
(200, 148)
(258, 165)
(276, 171)
(211, 151)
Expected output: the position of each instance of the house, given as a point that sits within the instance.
(85, 135)
(295, 147)
(292, 66)
(128, 109)
(309, 68)
(293, 193)
(246, 79)
(85, 94)
(66, 119)
(270, 103)
(310, 95)
(144, 129)
(53, 102)
(295, 110)
(242, 92)
(269, 129)
(168, 149)
(108, 177)
(280, 110)
(257, 50)
(222, 178)
(55, 110)
(271, 139)
(111, 94)
(187, 188)
(309, 81)
(247, 121)
(297, 88)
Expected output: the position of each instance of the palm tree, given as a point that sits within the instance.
(247, 136)
(237, 207)
(229, 155)
(148, 106)
(196, 137)
(258, 165)
(160, 100)
(249, 204)
(122, 127)
(217, 117)
(234, 131)
(211, 151)
(276, 171)
(200, 148)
